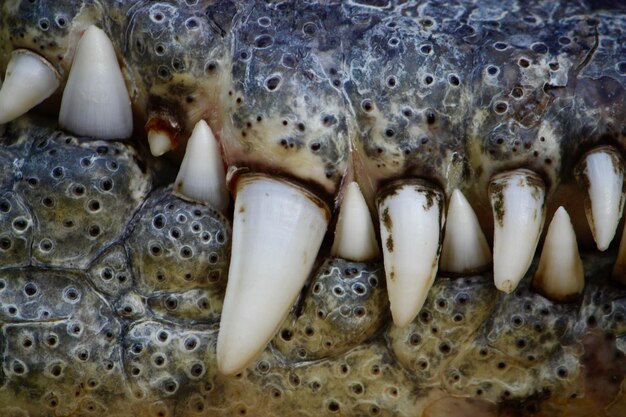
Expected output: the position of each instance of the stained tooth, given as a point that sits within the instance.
(201, 176)
(95, 101)
(560, 275)
(465, 249)
(517, 200)
(601, 174)
(278, 229)
(410, 228)
(355, 238)
(162, 133)
(29, 80)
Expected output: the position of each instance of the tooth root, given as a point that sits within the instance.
(278, 228)
(560, 275)
(465, 249)
(410, 227)
(29, 80)
(517, 200)
(95, 101)
(601, 174)
(201, 176)
(355, 238)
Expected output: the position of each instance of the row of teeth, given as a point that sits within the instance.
(278, 226)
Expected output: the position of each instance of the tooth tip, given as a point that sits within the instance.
(507, 286)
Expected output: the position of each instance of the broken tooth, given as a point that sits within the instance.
(560, 275)
(162, 132)
(517, 200)
(410, 227)
(355, 238)
(95, 101)
(278, 228)
(201, 176)
(601, 174)
(465, 249)
(29, 80)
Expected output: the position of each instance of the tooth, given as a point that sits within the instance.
(517, 199)
(410, 229)
(201, 176)
(95, 101)
(601, 174)
(465, 249)
(162, 133)
(278, 228)
(355, 238)
(560, 274)
(29, 80)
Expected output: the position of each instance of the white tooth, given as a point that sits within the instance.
(159, 141)
(201, 176)
(560, 274)
(410, 230)
(29, 80)
(95, 101)
(355, 238)
(465, 249)
(278, 228)
(517, 199)
(601, 174)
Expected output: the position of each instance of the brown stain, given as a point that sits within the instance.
(386, 218)
(389, 243)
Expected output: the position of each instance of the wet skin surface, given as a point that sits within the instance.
(111, 287)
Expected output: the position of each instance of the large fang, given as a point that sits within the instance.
(410, 228)
(201, 176)
(95, 101)
(355, 238)
(517, 199)
(278, 228)
(560, 275)
(601, 174)
(465, 249)
(29, 80)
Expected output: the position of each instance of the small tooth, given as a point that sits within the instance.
(560, 275)
(601, 174)
(517, 200)
(355, 238)
(95, 101)
(410, 229)
(29, 80)
(159, 141)
(201, 176)
(465, 249)
(278, 228)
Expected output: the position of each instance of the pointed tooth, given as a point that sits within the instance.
(560, 275)
(517, 199)
(29, 80)
(201, 176)
(278, 228)
(465, 249)
(355, 238)
(601, 174)
(410, 228)
(95, 101)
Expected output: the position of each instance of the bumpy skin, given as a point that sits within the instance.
(111, 287)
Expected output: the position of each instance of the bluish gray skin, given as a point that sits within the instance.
(111, 287)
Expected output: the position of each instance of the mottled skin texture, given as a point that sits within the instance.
(111, 287)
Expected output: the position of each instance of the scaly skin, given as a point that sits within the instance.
(111, 288)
